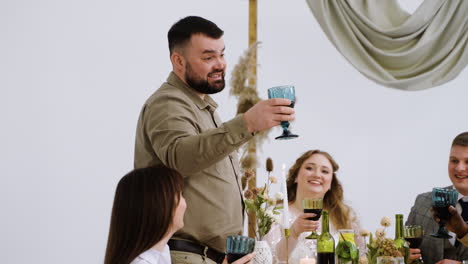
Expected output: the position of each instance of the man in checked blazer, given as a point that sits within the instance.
(438, 250)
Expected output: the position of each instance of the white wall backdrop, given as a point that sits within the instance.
(74, 74)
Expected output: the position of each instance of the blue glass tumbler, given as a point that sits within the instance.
(238, 246)
(288, 92)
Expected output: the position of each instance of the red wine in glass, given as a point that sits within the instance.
(313, 205)
(414, 242)
(442, 212)
(414, 234)
(317, 213)
(231, 257)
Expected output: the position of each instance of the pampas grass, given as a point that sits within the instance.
(247, 95)
(249, 161)
(243, 71)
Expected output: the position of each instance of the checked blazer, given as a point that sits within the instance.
(433, 249)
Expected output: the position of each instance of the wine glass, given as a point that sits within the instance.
(313, 205)
(414, 235)
(441, 200)
(285, 91)
(238, 246)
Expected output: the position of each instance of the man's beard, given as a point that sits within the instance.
(201, 85)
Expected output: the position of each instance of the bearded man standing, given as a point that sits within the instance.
(179, 128)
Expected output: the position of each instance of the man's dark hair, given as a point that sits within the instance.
(181, 32)
(461, 140)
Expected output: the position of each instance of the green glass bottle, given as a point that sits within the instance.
(400, 241)
(325, 243)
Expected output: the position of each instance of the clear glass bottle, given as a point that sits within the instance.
(346, 251)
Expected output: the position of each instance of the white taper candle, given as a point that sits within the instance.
(285, 199)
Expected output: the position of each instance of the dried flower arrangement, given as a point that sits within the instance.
(381, 246)
(247, 94)
(259, 202)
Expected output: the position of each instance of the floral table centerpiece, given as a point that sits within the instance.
(382, 250)
(259, 202)
(265, 207)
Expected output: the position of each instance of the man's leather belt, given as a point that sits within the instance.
(187, 246)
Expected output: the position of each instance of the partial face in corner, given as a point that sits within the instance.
(458, 168)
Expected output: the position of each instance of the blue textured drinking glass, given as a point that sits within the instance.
(285, 91)
(238, 246)
(441, 200)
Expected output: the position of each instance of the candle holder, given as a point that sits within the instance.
(287, 234)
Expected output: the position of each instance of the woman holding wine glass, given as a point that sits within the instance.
(313, 176)
(148, 209)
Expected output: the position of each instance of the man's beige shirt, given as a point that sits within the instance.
(182, 131)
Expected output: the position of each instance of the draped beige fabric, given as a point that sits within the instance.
(394, 48)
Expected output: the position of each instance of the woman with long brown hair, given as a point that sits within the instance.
(313, 175)
(148, 209)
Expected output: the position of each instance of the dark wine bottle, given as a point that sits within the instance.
(399, 240)
(325, 243)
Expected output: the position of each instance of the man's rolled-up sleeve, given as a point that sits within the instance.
(180, 141)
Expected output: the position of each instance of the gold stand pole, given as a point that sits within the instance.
(253, 37)
(252, 81)
(287, 233)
